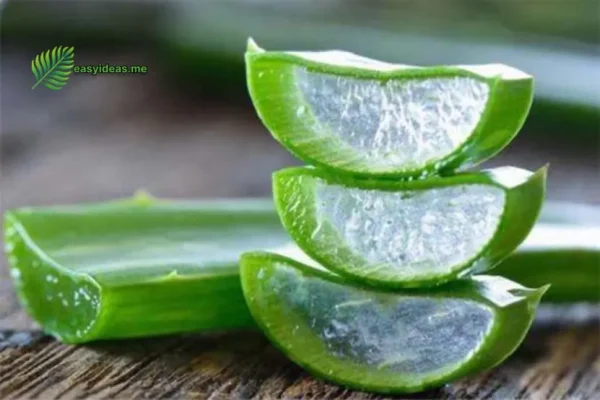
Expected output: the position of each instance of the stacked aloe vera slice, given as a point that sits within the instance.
(380, 293)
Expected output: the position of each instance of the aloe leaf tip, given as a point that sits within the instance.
(252, 46)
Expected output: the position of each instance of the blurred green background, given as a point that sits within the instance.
(187, 129)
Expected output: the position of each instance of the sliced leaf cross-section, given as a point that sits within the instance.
(360, 116)
(383, 341)
(409, 233)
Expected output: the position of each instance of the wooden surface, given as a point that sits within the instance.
(104, 137)
(560, 359)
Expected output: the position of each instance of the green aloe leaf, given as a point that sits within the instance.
(360, 116)
(385, 341)
(137, 267)
(565, 255)
(53, 67)
(115, 250)
(409, 233)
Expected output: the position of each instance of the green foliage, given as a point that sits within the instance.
(53, 67)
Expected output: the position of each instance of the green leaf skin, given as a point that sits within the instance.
(566, 256)
(35, 237)
(274, 90)
(294, 191)
(292, 303)
(137, 267)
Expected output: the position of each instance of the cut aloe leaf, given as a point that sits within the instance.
(409, 233)
(566, 256)
(383, 341)
(361, 116)
(136, 267)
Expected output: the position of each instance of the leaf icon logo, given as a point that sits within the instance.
(53, 67)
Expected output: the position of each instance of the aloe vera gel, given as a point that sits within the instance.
(381, 292)
(381, 295)
(409, 233)
(387, 341)
(361, 116)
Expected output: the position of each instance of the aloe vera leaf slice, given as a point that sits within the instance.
(356, 115)
(380, 340)
(409, 233)
(566, 256)
(136, 267)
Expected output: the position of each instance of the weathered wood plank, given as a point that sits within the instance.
(557, 361)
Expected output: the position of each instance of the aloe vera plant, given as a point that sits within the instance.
(136, 267)
(566, 256)
(358, 121)
(409, 233)
(145, 267)
(385, 341)
(356, 115)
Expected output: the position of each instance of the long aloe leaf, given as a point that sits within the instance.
(136, 267)
(566, 256)
(135, 259)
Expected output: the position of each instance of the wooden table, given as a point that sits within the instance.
(72, 146)
(560, 359)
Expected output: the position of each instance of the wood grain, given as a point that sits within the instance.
(555, 362)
